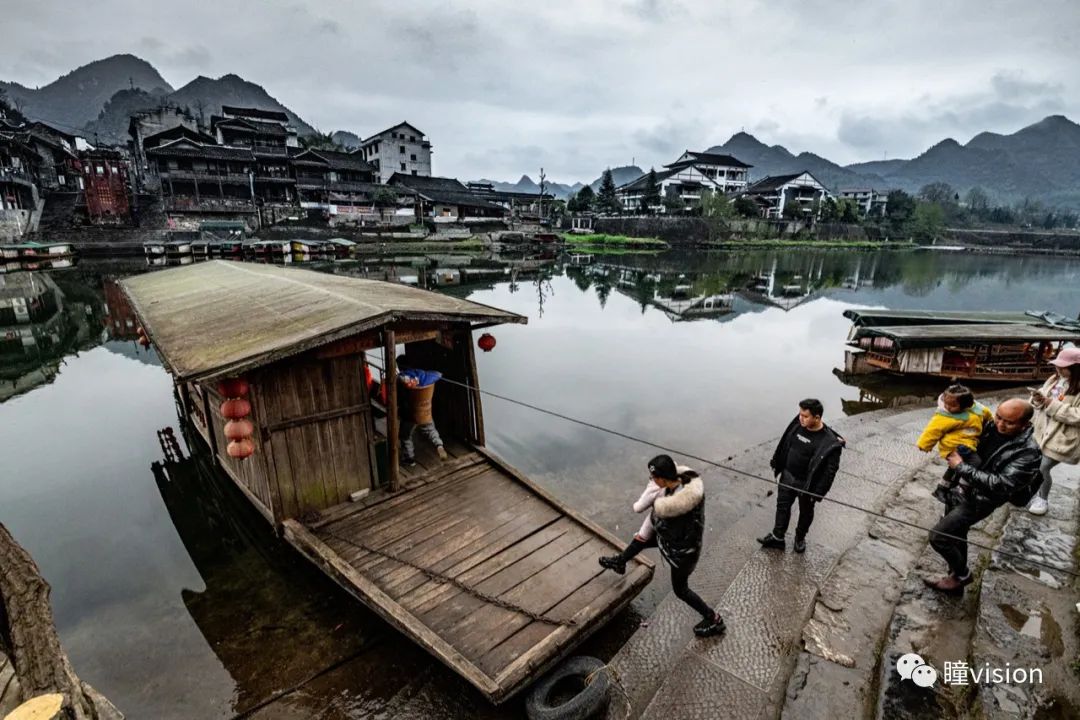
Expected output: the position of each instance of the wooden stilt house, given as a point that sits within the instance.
(465, 555)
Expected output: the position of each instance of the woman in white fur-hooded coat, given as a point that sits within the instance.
(678, 518)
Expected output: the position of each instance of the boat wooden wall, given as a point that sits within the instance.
(316, 433)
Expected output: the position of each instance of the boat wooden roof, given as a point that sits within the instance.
(221, 317)
(881, 317)
(908, 336)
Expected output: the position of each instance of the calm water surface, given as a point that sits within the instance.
(176, 602)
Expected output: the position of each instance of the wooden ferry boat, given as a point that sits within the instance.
(466, 556)
(989, 347)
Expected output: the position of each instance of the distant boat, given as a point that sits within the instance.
(987, 346)
(35, 250)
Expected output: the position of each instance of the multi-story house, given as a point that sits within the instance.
(776, 192)
(689, 177)
(204, 178)
(870, 201)
(152, 123)
(328, 179)
(400, 149)
(269, 136)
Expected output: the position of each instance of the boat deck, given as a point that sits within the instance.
(477, 564)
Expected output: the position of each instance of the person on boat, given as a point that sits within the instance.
(414, 417)
(956, 425)
(1057, 422)
(1009, 473)
(677, 528)
(805, 463)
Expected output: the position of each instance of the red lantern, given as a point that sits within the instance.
(233, 387)
(486, 342)
(241, 449)
(235, 409)
(239, 429)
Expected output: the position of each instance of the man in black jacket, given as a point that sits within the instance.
(806, 461)
(1009, 472)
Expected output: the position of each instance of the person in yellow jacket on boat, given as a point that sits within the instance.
(957, 425)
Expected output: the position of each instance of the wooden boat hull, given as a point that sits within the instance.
(497, 552)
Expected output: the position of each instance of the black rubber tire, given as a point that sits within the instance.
(585, 704)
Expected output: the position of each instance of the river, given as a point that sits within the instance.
(176, 602)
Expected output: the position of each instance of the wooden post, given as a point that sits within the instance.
(390, 381)
(473, 378)
(28, 635)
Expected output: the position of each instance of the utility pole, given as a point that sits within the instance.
(543, 186)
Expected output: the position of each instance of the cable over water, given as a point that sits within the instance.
(745, 473)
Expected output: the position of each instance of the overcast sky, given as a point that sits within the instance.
(503, 88)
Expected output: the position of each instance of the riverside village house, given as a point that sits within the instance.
(776, 192)
(691, 175)
(400, 149)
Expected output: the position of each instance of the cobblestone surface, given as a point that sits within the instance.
(766, 597)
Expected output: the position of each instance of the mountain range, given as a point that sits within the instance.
(96, 100)
(620, 175)
(1040, 161)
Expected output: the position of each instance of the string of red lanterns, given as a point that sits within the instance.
(236, 409)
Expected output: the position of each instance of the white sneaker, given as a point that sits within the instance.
(1038, 506)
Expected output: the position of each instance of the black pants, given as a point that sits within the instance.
(785, 498)
(957, 521)
(680, 577)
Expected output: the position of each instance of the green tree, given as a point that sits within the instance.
(673, 202)
(321, 141)
(847, 211)
(384, 197)
(650, 195)
(606, 200)
(582, 201)
(745, 207)
(716, 205)
(927, 222)
(793, 209)
(899, 209)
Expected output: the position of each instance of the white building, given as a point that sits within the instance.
(869, 200)
(775, 192)
(400, 149)
(689, 177)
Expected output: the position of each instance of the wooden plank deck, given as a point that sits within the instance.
(478, 565)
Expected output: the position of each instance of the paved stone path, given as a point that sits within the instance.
(766, 597)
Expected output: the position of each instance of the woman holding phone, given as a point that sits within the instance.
(1057, 421)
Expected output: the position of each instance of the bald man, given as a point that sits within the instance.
(1009, 470)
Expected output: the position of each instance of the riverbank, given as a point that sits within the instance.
(818, 635)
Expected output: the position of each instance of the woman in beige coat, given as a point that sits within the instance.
(1057, 421)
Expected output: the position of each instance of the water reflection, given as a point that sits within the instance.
(176, 601)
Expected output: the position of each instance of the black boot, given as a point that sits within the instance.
(614, 562)
(710, 626)
(800, 544)
(773, 542)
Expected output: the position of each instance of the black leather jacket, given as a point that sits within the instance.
(823, 466)
(1013, 466)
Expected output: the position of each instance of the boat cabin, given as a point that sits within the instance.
(989, 347)
(465, 555)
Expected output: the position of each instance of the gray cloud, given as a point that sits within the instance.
(502, 88)
(1009, 100)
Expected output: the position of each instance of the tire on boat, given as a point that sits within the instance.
(589, 674)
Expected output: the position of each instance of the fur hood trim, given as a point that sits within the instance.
(679, 503)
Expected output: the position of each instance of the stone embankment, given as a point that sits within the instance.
(818, 635)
